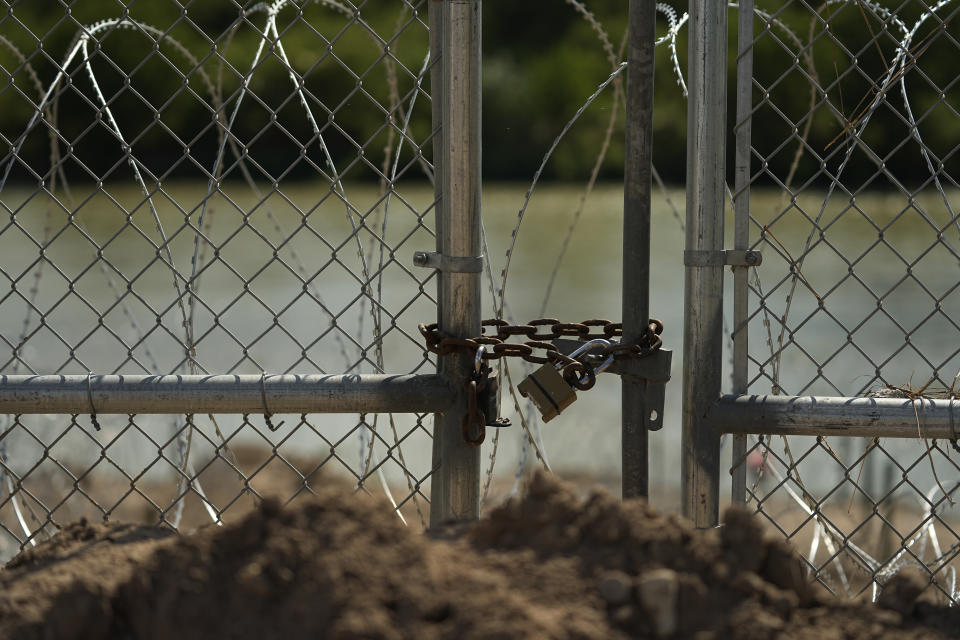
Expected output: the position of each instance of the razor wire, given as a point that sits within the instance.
(389, 447)
(227, 140)
(838, 541)
(81, 45)
(188, 479)
(919, 545)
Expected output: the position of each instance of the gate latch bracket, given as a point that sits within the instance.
(652, 371)
(450, 264)
(721, 258)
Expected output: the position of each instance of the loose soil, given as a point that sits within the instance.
(549, 565)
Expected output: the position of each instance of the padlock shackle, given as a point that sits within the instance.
(478, 360)
(588, 346)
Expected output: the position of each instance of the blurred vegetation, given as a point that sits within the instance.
(541, 61)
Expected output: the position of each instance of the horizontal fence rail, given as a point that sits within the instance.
(351, 393)
(833, 416)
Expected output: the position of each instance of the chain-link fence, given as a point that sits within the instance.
(212, 212)
(846, 181)
(214, 216)
(231, 189)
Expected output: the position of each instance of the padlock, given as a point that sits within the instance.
(488, 385)
(548, 390)
(489, 400)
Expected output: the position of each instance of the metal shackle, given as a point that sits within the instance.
(478, 360)
(588, 346)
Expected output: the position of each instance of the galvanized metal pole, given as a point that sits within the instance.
(834, 416)
(703, 284)
(455, 493)
(635, 477)
(741, 232)
(436, 96)
(281, 393)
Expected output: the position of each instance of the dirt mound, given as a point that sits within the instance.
(341, 565)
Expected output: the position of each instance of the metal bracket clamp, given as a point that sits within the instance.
(721, 258)
(652, 371)
(450, 264)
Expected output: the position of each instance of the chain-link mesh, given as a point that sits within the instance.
(188, 471)
(210, 188)
(853, 176)
(859, 513)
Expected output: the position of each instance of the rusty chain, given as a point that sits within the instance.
(538, 332)
(577, 373)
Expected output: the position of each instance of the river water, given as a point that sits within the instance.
(277, 323)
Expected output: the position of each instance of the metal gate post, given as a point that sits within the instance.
(635, 479)
(703, 281)
(436, 105)
(741, 232)
(455, 484)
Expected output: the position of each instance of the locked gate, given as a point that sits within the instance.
(841, 417)
(171, 346)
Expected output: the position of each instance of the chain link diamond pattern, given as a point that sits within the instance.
(190, 188)
(853, 177)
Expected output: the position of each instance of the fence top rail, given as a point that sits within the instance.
(237, 394)
(909, 417)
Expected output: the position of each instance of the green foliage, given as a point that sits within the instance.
(538, 70)
(541, 61)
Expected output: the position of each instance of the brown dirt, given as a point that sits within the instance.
(551, 565)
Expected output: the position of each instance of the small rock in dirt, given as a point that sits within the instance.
(752, 621)
(778, 601)
(901, 591)
(657, 590)
(624, 615)
(615, 588)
